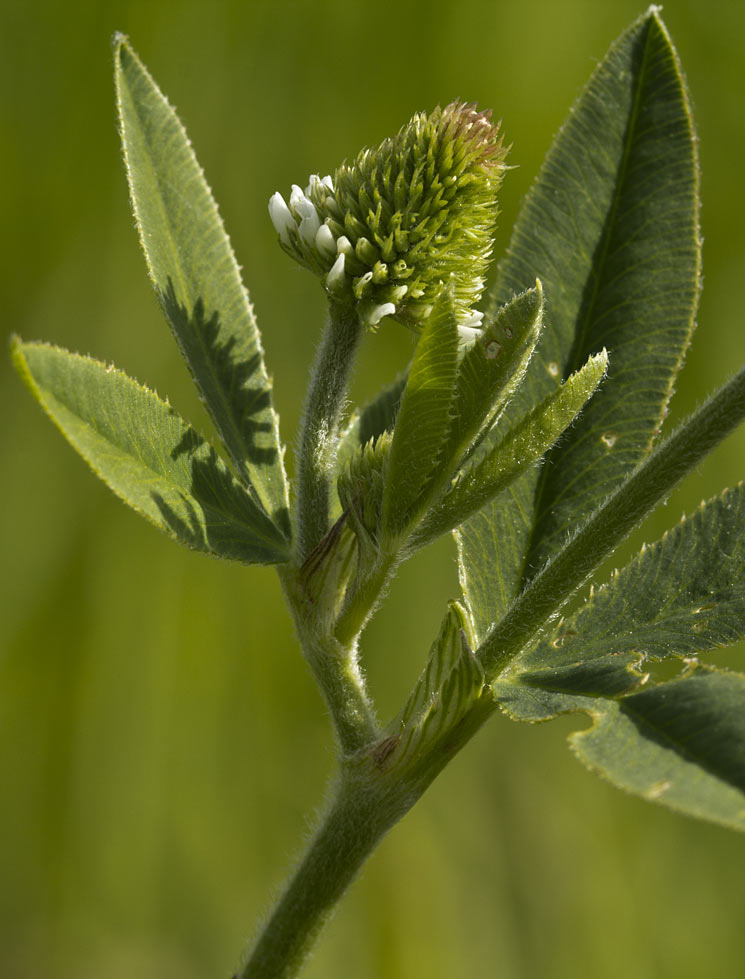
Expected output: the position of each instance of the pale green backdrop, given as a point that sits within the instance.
(162, 748)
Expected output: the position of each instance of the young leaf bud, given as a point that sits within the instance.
(389, 228)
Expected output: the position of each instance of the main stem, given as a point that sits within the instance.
(357, 819)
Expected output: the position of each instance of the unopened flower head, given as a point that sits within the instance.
(387, 230)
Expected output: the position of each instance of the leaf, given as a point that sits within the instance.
(594, 541)
(550, 691)
(369, 424)
(194, 271)
(492, 368)
(380, 414)
(520, 448)
(148, 455)
(604, 676)
(449, 685)
(423, 421)
(361, 485)
(681, 744)
(681, 596)
(610, 228)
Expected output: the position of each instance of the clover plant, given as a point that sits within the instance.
(527, 426)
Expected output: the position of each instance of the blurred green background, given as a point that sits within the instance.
(162, 747)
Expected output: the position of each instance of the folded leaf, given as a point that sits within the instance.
(605, 676)
(610, 228)
(550, 691)
(369, 424)
(492, 368)
(424, 419)
(449, 686)
(520, 448)
(195, 273)
(148, 455)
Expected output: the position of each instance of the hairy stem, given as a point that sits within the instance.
(359, 816)
(319, 432)
(334, 664)
(337, 672)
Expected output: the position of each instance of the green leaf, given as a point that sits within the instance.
(148, 455)
(681, 596)
(610, 228)
(380, 414)
(196, 276)
(520, 448)
(361, 485)
(605, 676)
(369, 424)
(492, 368)
(424, 420)
(451, 682)
(681, 744)
(595, 540)
(550, 691)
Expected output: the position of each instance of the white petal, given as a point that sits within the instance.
(313, 181)
(325, 242)
(304, 208)
(377, 313)
(344, 245)
(282, 219)
(336, 279)
(467, 334)
(473, 319)
(309, 226)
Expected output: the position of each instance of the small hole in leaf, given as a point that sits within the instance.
(553, 368)
(609, 439)
(493, 349)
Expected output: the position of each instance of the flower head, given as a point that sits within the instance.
(399, 221)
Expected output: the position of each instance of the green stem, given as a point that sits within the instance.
(334, 665)
(613, 521)
(337, 672)
(335, 668)
(361, 603)
(319, 432)
(359, 816)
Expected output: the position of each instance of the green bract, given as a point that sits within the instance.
(390, 228)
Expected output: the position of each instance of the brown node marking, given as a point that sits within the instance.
(384, 749)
